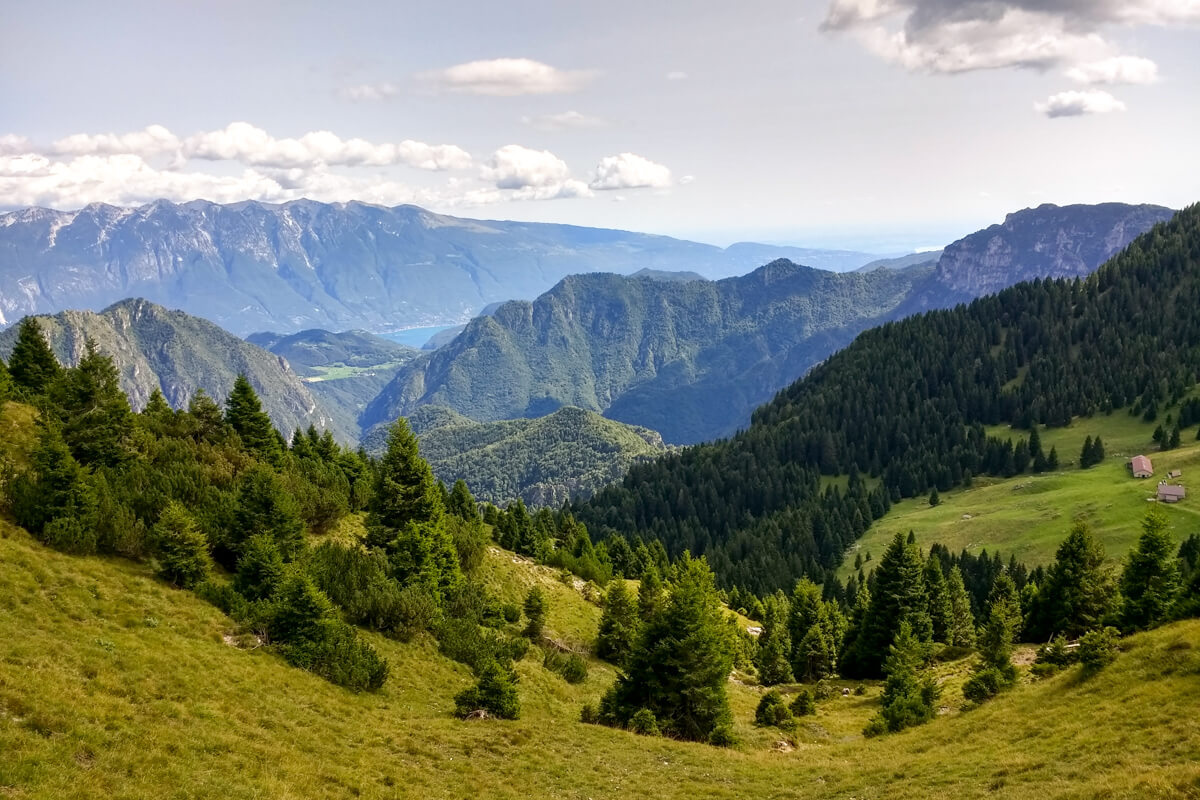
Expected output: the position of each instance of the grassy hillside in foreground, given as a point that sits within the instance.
(113, 684)
(1029, 515)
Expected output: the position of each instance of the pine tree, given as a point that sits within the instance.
(680, 667)
(994, 671)
(941, 610)
(1150, 581)
(461, 503)
(774, 644)
(56, 487)
(934, 498)
(1176, 436)
(1052, 459)
(816, 652)
(94, 413)
(260, 568)
(264, 507)
(1078, 591)
(1085, 455)
(495, 692)
(32, 364)
(899, 595)
(181, 548)
(805, 612)
(907, 698)
(243, 412)
(536, 607)
(650, 594)
(962, 628)
(1035, 450)
(618, 624)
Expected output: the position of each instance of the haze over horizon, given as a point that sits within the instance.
(861, 124)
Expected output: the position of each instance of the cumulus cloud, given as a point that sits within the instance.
(530, 175)
(1118, 69)
(11, 144)
(629, 171)
(949, 36)
(506, 77)
(1075, 104)
(564, 121)
(150, 141)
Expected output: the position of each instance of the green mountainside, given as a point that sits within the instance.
(176, 353)
(569, 453)
(345, 371)
(904, 410)
(114, 684)
(687, 359)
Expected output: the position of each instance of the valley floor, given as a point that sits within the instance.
(114, 685)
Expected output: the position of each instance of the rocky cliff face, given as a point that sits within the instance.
(154, 348)
(1047, 241)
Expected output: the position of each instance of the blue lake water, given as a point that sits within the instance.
(415, 337)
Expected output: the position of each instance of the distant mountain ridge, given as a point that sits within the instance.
(254, 266)
(693, 359)
(156, 348)
(688, 359)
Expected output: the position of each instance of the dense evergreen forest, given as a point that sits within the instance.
(907, 403)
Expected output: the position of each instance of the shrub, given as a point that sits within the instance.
(773, 711)
(983, 684)
(588, 715)
(512, 613)
(339, 655)
(644, 723)
(1054, 656)
(804, 705)
(1098, 649)
(723, 736)
(181, 547)
(225, 597)
(467, 643)
(74, 535)
(260, 569)
(823, 690)
(570, 666)
(494, 692)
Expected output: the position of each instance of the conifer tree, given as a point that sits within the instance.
(461, 503)
(907, 698)
(243, 412)
(56, 487)
(962, 628)
(816, 654)
(157, 407)
(181, 548)
(1150, 581)
(260, 568)
(680, 666)
(32, 364)
(265, 508)
(934, 498)
(774, 644)
(495, 692)
(1085, 454)
(536, 607)
(1035, 450)
(941, 610)
(1078, 591)
(618, 624)
(650, 594)
(1097, 451)
(899, 595)
(1052, 459)
(994, 671)
(1176, 436)
(94, 413)
(6, 384)
(805, 608)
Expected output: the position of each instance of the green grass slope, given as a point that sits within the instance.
(113, 684)
(1029, 515)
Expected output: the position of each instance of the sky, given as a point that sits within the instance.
(881, 125)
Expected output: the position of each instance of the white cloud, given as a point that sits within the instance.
(1075, 104)
(11, 144)
(150, 141)
(243, 142)
(370, 91)
(530, 175)
(629, 171)
(564, 121)
(949, 36)
(677, 75)
(1118, 69)
(506, 77)
(686, 179)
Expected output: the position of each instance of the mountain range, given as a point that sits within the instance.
(254, 266)
(176, 353)
(692, 359)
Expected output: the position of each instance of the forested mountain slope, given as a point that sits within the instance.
(907, 402)
(544, 462)
(176, 353)
(687, 359)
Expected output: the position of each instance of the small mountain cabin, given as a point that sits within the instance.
(1168, 493)
(1141, 467)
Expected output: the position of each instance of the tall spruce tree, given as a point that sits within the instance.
(941, 610)
(264, 507)
(1150, 581)
(774, 643)
(962, 627)
(680, 667)
(995, 671)
(32, 364)
(898, 595)
(94, 414)
(619, 624)
(907, 697)
(1079, 590)
(181, 548)
(650, 594)
(243, 412)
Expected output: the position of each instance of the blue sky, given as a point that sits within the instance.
(880, 124)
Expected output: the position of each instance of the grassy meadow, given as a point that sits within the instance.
(113, 684)
(1029, 515)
